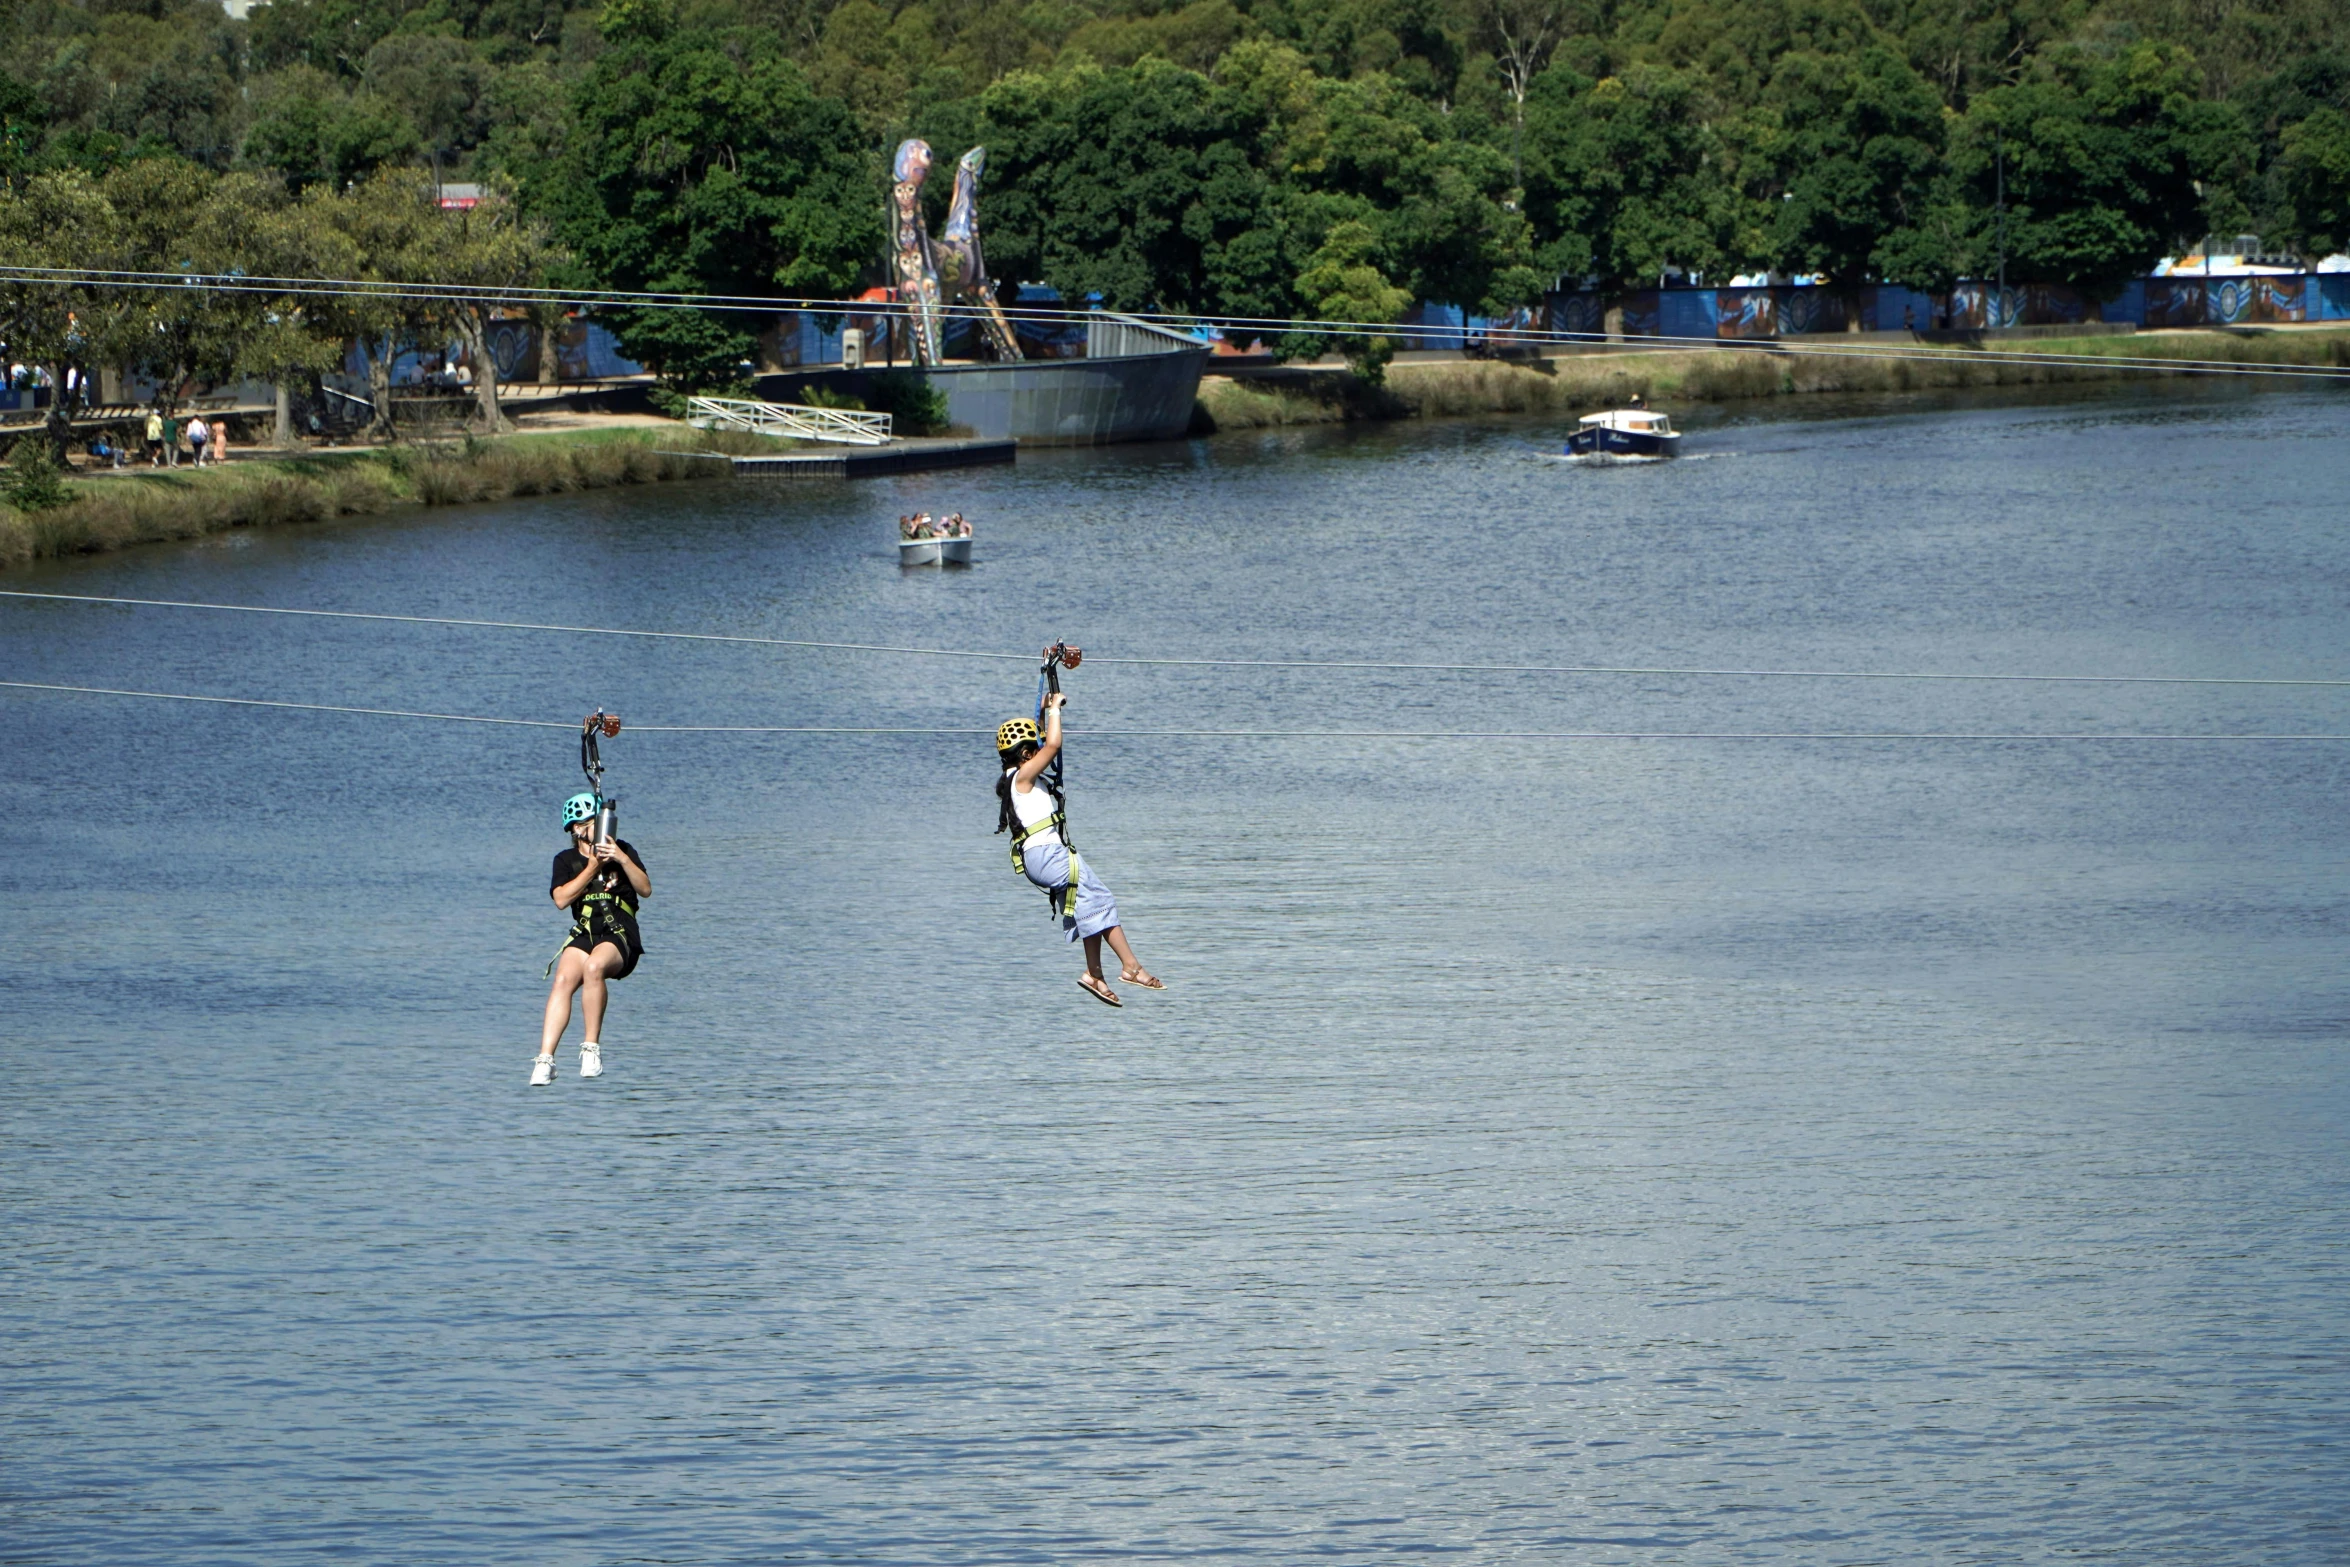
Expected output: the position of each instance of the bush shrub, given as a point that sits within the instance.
(32, 482)
(914, 406)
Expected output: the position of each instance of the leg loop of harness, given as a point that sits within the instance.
(1062, 899)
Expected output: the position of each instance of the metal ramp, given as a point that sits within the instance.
(848, 427)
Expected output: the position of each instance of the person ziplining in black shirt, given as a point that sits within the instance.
(599, 883)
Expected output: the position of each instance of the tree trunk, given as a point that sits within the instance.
(58, 426)
(485, 372)
(379, 389)
(282, 432)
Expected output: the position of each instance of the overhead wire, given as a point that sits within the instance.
(1365, 665)
(1214, 736)
(666, 300)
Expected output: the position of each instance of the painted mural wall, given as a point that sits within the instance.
(1795, 309)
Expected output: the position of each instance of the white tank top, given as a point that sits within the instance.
(1033, 807)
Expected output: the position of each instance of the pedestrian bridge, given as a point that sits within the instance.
(848, 427)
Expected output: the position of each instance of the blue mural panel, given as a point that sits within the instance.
(1803, 311)
(1435, 326)
(1689, 312)
(1973, 305)
(1891, 308)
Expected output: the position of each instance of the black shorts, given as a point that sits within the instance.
(630, 950)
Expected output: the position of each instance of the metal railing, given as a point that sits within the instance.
(851, 427)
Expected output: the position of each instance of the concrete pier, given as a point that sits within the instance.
(865, 462)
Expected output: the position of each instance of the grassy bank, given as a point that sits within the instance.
(118, 510)
(1580, 383)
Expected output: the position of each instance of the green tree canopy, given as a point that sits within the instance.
(1627, 176)
(703, 161)
(1137, 184)
(1855, 157)
(2102, 155)
(2315, 176)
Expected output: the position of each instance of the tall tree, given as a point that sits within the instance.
(1343, 285)
(2102, 157)
(1522, 35)
(2314, 171)
(380, 228)
(60, 219)
(1138, 184)
(490, 254)
(1627, 177)
(1858, 150)
(703, 162)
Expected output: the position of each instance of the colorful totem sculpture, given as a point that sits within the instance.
(931, 277)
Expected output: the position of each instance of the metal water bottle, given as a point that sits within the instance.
(607, 820)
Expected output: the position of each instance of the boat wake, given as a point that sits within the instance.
(1621, 460)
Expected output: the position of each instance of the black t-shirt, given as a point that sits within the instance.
(571, 862)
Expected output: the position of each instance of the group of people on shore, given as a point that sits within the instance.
(923, 526)
(168, 439)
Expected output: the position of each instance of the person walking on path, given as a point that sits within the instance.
(599, 883)
(199, 436)
(154, 436)
(171, 440)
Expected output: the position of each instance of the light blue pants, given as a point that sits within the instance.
(1048, 867)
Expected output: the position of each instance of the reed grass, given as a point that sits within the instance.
(118, 511)
(1237, 405)
(1578, 383)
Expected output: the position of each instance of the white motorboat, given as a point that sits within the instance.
(955, 552)
(921, 552)
(1625, 434)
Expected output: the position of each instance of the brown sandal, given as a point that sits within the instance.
(1141, 977)
(1099, 989)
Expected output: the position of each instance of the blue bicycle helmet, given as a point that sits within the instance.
(579, 808)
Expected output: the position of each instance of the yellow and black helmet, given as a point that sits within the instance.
(1015, 732)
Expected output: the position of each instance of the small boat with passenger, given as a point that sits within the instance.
(923, 541)
(1632, 434)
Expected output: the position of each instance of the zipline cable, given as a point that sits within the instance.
(525, 625)
(1366, 665)
(620, 299)
(1214, 736)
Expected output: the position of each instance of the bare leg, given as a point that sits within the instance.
(570, 969)
(1092, 979)
(592, 994)
(1130, 968)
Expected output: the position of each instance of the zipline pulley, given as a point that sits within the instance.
(1048, 679)
(591, 762)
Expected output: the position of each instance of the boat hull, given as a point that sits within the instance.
(1600, 441)
(919, 552)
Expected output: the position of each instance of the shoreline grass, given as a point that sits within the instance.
(1580, 383)
(118, 511)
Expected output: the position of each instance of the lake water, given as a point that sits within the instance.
(1596, 1151)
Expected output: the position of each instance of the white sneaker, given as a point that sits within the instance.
(542, 1071)
(591, 1059)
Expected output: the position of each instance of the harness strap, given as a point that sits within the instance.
(1020, 836)
(1062, 898)
(584, 923)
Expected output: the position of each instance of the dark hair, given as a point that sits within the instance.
(1008, 762)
